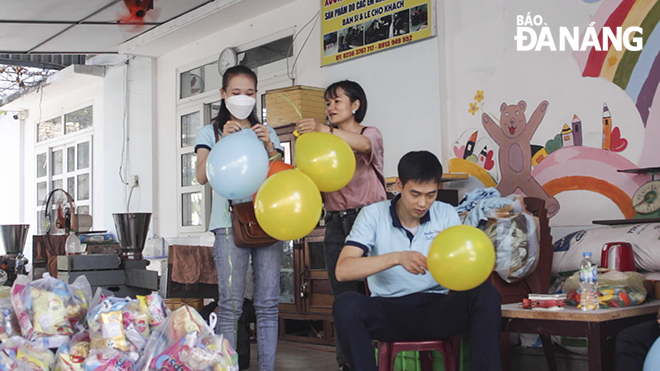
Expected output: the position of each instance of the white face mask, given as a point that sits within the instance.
(240, 106)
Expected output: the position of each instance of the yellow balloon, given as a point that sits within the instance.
(325, 158)
(461, 257)
(288, 205)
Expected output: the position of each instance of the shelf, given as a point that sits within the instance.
(446, 177)
(626, 221)
(645, 170)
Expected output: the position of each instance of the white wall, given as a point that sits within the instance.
(402, 87)
(11, 190)
(136, 131)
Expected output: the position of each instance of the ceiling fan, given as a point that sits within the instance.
(137, 13)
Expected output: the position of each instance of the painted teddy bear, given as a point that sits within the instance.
(515, 155)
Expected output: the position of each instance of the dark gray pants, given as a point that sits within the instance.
(337, 226)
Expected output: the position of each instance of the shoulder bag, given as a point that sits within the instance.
(244, 225)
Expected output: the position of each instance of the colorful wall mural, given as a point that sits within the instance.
(575, 125)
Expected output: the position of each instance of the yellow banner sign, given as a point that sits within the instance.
(352, 28)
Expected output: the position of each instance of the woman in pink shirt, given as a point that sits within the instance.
(346, 105)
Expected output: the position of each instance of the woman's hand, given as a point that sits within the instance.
(231, 127)
(264, 135)
(310, 125)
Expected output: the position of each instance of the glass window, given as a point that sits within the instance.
(287, 279)
(42, 192)
(190, 124)
(192, 209)
(189, 169)
(71, 159)
(82, 210)
(49, 129)
(78, 120)
(42, 166)
(71, 185)
(316, 260)
(83, 187)
(200, 80)
(58, 166)
(83, 155)
(267, 53)
(58, 183)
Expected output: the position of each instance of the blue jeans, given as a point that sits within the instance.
(266, 263)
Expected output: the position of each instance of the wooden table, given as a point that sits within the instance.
(597, 326)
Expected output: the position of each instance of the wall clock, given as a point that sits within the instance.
(646, 200)
(226, 60)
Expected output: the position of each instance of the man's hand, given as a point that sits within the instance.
(413, 261)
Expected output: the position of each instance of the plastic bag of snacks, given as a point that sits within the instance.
(8, 321)
(70, 356)
(615, 289)
(155, 307)
(106, 325)
(110, 360)
(184, 341)
(32, 357)
(49, 307)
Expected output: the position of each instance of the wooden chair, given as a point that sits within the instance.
(537, 282)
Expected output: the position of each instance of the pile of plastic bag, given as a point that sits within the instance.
(103, 333)
(615, 289)
(509, 226)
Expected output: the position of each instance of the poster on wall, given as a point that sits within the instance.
(353, 28)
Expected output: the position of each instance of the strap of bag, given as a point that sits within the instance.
(378, 175)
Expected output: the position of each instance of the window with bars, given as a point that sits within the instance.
(64, 160)
(198, 102)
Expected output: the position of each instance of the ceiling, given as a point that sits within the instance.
(78, 26)
(90, 26)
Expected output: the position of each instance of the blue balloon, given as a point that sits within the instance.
(652, 361)
(237, 165)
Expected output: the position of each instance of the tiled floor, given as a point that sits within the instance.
(298, 357)
(301, 356)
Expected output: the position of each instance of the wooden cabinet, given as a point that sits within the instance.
(306, 297)
(305, 294)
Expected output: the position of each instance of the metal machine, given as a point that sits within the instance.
(13, 260)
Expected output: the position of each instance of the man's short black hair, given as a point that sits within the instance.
(354, 92)
(419, 166)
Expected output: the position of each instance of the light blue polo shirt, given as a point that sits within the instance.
(378, 231)
(220, 217)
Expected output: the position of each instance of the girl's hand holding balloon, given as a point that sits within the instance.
(310, 125)
(231, 127)
(263, 135)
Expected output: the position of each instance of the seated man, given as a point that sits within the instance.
(388, 244)
(633, 345)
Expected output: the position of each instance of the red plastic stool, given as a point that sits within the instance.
(450, 350)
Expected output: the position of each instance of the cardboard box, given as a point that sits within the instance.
(283, 105)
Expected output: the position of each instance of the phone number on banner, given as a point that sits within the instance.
(373, 48)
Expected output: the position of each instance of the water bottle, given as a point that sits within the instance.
(588, 283)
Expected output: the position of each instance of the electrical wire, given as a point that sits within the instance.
(124, 127)
(315, 18)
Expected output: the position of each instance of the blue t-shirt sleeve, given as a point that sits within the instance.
(363, 233)
(205, 138)
(275, 139)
